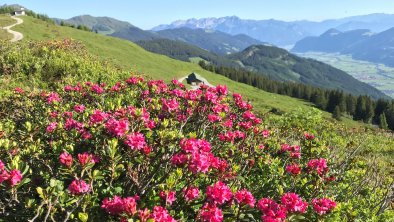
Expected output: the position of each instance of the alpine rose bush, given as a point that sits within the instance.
(146, 151)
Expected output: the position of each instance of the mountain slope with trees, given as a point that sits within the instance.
(331, 41)
(275, 63)
(214, 41)
(360, 44)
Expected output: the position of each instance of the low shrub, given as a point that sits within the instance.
(147, 151)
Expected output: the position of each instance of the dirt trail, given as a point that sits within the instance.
(17, 35)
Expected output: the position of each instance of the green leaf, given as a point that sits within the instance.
(40, 192)
(83, 216)
(23, 182)
(52, 183)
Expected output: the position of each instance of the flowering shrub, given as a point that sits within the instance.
(145, 150)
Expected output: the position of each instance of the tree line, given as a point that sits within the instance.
(80, 27)
(359, 107)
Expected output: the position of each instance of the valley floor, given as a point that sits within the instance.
(377, 75)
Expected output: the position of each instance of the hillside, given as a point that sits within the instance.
(279, 64)
(128, 55)
(182, 51)
(214, 41)
(377, 48)
(272, 62)
(332, 40)
(361, 44)
(103, 25)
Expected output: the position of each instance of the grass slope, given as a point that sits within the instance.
(130, 56)
(5, 21)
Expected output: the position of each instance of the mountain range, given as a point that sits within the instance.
(361, 44)
(283, 33)
(214, 41)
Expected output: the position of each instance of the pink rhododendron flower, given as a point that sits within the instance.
(320, 165)
(248, 115)
(130, 205)
(52, 97)
(146, 150)
(214, 118)
(84, 158)
(244, 197)
(78, 187)
(120, 205)
(51, 127)
(293, 169)
(18, 90)
(169, 196)
(228, 123)
(72, 124)
(191, 193)
(211, 213)
(15, 177)
(117, 127)
(179, 159)
(68, 114)
(323, 206)
(265, 133)
(245, 125)
(309, 136)
(98, 117)
(66, 159)
(194, 145)
(79, 108)
(85, 134)
(293, 203)
(68, 88)
(221, 89)
(4, 175)
(97, 89)
(53, 114)
(134, 80)
(144, 215)
(271, 210)
(211, 97)
(199, 162)
(160, 214)
(170, 104)
(219, 193)
(135, 141)
(295, 151)
(2, 166)
(114, 206)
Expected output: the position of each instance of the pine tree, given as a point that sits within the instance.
(337, 113)
(350, 104)
(383, 122)
(369, 111)
(360, 108)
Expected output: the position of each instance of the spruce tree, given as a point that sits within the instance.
(383, 122)
(337, 113)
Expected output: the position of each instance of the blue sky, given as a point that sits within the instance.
(148, 13)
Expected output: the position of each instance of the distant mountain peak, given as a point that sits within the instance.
(285, 33)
